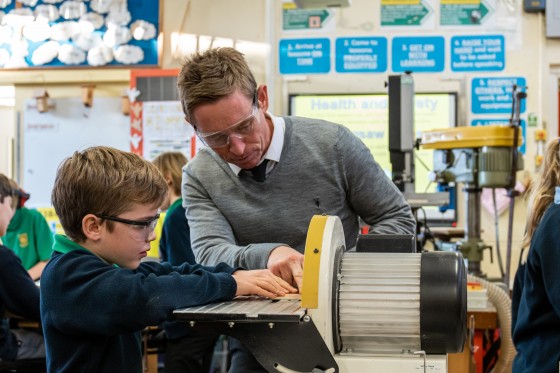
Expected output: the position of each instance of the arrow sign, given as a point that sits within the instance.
(464, 12)
(304, 19)
(404, 13)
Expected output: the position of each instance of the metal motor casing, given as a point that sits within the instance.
(479, 155)
(488, 167)
(389, 303)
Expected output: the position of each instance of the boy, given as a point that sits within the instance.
(29, 236)
(18, 293)
(96, 296)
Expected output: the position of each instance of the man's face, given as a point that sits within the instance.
(6, 213)
(242, 132)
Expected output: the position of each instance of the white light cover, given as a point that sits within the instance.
(182, 44)
(252, 48)
(204, 42)
(222, 42)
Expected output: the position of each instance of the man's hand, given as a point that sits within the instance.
(287, 263)
(261, 282)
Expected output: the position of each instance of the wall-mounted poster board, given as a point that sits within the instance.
(366, 115)
(38, 33)
(48, 138)
(157, 121)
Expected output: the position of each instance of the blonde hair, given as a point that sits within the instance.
(170, 164)
(542, 190)
(209, 76)
(103, 181)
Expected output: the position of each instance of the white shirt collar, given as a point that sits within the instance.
(276, 144)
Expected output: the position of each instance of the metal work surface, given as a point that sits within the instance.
(250, 308)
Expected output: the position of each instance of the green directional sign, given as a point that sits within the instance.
(463, 13)
(406, 13)
(304, 19)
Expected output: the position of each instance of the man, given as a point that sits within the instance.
(257, 217)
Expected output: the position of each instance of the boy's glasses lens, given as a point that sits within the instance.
(144, 227)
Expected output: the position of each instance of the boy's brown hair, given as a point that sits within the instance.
(103, 181)
(216, 73)
(170, 164)
(6, 188)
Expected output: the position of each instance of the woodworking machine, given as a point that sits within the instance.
(359, 311)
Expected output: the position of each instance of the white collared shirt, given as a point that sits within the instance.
(276, 144)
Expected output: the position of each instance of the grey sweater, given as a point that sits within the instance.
(323, 169)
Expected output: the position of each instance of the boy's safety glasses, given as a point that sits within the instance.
(144, 227)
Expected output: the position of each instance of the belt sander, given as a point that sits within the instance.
(374, 309)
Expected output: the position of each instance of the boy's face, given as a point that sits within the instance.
(127, 244)
(6, 213)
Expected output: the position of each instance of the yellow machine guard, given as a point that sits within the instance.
(469, 137)
(312, 259)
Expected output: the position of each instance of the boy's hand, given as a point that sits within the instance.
(261, 282)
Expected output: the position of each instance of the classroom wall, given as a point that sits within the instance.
(529, 54)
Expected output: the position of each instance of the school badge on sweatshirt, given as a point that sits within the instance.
(23, 240)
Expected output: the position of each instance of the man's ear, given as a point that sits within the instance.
(262, 97)
(187, 120)
(91, 227)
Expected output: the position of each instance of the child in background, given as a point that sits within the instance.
(186, 350)
(29, 236)
(175, 240)
(536, 291)
(96, 295)
(18, 293)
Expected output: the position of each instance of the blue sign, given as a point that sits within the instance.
(305, 56)
(361, 55)
(493, 95)
(418, 54)
(504, 122)
(478, 53)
